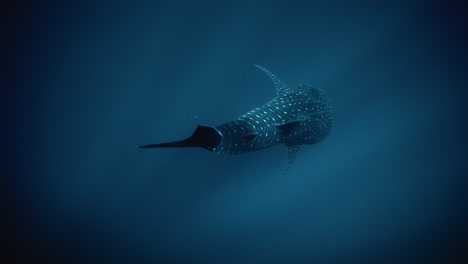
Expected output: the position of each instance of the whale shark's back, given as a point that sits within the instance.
(296, 117)
(314, 116)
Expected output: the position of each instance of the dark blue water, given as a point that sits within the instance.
(90, 81)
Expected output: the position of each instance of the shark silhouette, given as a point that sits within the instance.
(294, 117)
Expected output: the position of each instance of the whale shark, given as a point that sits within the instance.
(294, 117)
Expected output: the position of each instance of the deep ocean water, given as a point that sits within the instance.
(88, 81)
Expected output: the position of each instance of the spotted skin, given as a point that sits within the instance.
(294, 117)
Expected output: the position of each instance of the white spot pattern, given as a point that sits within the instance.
(307, 121)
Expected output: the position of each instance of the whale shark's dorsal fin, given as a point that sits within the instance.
(281, 87)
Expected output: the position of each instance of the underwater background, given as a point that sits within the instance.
(88, 81)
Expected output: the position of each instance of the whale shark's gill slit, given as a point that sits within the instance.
(249, 137)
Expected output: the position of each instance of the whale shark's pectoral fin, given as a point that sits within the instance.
(292, 153)
(281, 87)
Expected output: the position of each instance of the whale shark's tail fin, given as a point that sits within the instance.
(204, 136)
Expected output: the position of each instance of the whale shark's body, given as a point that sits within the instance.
(294, 117)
